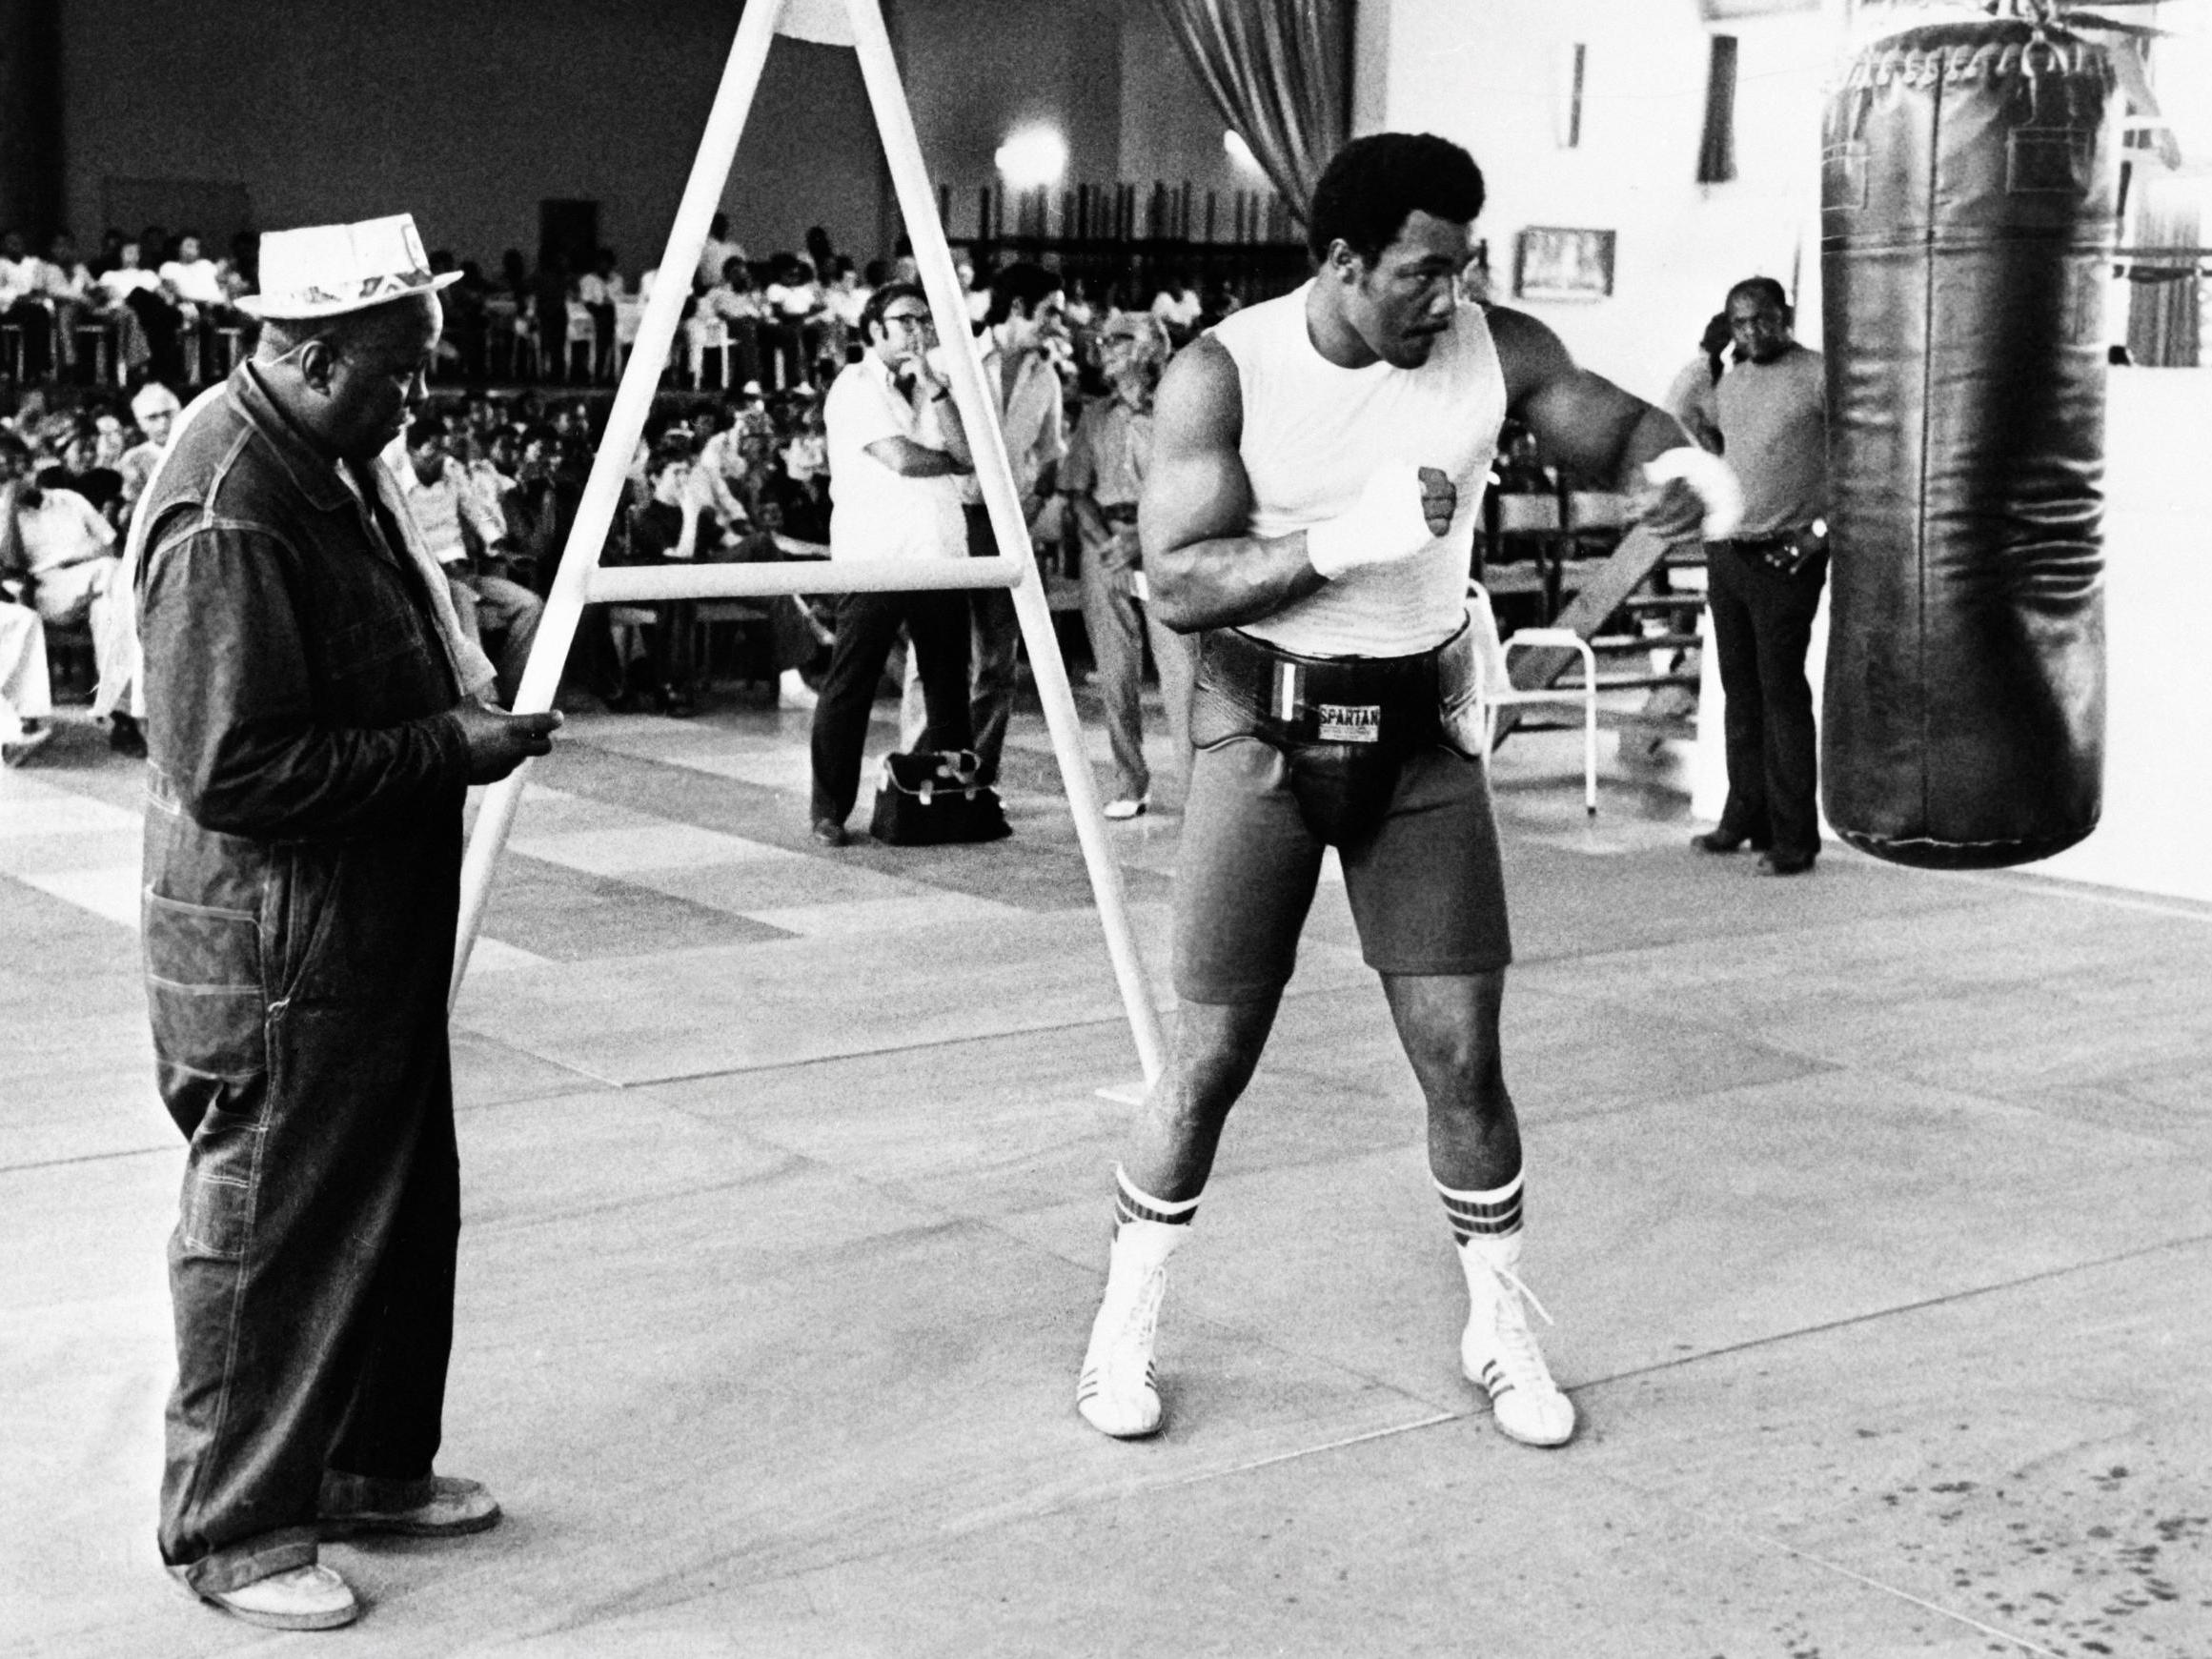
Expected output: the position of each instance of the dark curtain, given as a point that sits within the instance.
(1280, 73)
(1716, 150)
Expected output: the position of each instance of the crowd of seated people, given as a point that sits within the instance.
(733, 466)
(150, 307)
(157, 307)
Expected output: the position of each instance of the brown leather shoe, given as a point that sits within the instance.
(435, 1506)
(1785, 863)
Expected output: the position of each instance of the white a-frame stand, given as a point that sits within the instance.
(581, 581)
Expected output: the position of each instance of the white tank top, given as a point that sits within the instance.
(1313, 433)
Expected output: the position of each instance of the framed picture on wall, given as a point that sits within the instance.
(1553, 263)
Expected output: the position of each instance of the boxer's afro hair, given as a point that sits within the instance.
(1373, 185)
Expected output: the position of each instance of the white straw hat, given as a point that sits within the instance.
(321, 270)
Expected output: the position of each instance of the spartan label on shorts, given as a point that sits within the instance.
(1350, 723)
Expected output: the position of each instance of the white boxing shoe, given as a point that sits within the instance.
(793, 693)
(1499, 1351)
(304, 1598)
(1118, 1391)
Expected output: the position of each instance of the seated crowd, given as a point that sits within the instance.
(494, 478)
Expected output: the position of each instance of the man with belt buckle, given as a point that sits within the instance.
(1311, 508)
(1764, 584)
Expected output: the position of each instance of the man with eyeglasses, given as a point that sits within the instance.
(897, 453)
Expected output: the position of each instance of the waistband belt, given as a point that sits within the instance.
(1326, 699)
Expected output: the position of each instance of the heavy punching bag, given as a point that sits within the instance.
(1968, 198)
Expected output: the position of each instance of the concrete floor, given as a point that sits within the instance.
(1872, 1208)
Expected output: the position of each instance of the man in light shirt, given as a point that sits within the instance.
(1027, 317)
(466, 535)
(896, 450)
(23, 305)
(56, 547)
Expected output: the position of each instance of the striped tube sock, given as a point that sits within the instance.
(1133, 1204)
(1494, 1214)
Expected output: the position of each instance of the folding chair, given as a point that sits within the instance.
(1494, 687)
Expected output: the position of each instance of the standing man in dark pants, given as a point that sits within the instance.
(897, 452)
(315, 723)
(1763, 583)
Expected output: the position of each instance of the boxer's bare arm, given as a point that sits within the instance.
(1588, 424)
(1203, 569)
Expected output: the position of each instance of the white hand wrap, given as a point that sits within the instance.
(1710, 477)
(1385, 525)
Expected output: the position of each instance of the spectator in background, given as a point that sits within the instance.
(1763, 583)
(154, 408)
(110, 252)
(717, 251)
(1179, 307)
(110, 440)
(192, 282)
(675, 525)
(1691, 399)
(550, 289)
(62, 555)
(161, 321)
(238, 271)
(1027, 317)
(117, 292)
(25, 306)
(468, 537)
(75, 468)
(25, 689)
(979, 300)
(1103, 479)
(65, 282)
(896, 446)
(540, 505)
(794, 323)
(464, 338)
(601, 289)
(842, 299)
(728, 314)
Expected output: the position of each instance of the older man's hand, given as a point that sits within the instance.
(500, 741)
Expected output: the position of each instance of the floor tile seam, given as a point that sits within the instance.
(920, 1048)
(2162, 1146)
(2099, 893)
(8, 1170)
(1897, 1591)
(2195, 1241)
(567, 1214)
(454, 1024)
(1071, 1504)
(1640, 956)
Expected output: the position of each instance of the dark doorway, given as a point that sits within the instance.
(570, 228)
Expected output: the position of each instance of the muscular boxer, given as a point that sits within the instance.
(1315, 485)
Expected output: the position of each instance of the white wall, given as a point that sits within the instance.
(1485, 73)
(2157, 550)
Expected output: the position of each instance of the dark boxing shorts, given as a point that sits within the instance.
(1299, 753)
